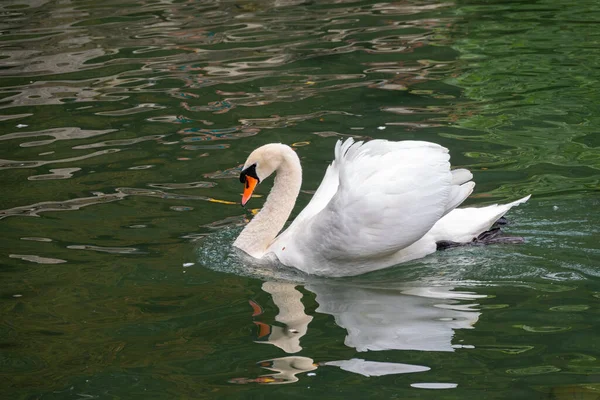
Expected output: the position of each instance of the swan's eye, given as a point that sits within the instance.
(250, 171)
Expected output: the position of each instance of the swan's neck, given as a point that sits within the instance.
(264, 227)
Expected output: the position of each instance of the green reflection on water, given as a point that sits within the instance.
(105, 290)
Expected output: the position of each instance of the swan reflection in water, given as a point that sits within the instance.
(384, 317)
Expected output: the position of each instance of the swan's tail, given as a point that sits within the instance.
(465, 225)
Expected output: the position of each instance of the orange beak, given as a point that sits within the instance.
(249, 189)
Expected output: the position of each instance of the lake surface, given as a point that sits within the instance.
(122, 129)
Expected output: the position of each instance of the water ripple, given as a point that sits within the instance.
(191, 185)
(120, 142)
(140, 108)
(34, 210)
(58, 173)
(37, 259)
(66, 133)
(112, 250)
(12, 164)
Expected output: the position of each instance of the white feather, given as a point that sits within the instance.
(463, 224)
(380, 203)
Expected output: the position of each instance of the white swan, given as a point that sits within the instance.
(380, 203)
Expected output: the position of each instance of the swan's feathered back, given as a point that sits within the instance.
(376, 199)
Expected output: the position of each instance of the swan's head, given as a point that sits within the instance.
(261, 163)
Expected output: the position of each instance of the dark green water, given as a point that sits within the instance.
(122, 127)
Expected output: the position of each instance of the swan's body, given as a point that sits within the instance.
(380, 203)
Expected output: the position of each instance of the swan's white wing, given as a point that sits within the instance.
(327, 188)
(389, 195)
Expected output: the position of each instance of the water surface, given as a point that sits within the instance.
(122, 130)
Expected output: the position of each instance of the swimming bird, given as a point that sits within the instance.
(381, 203)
